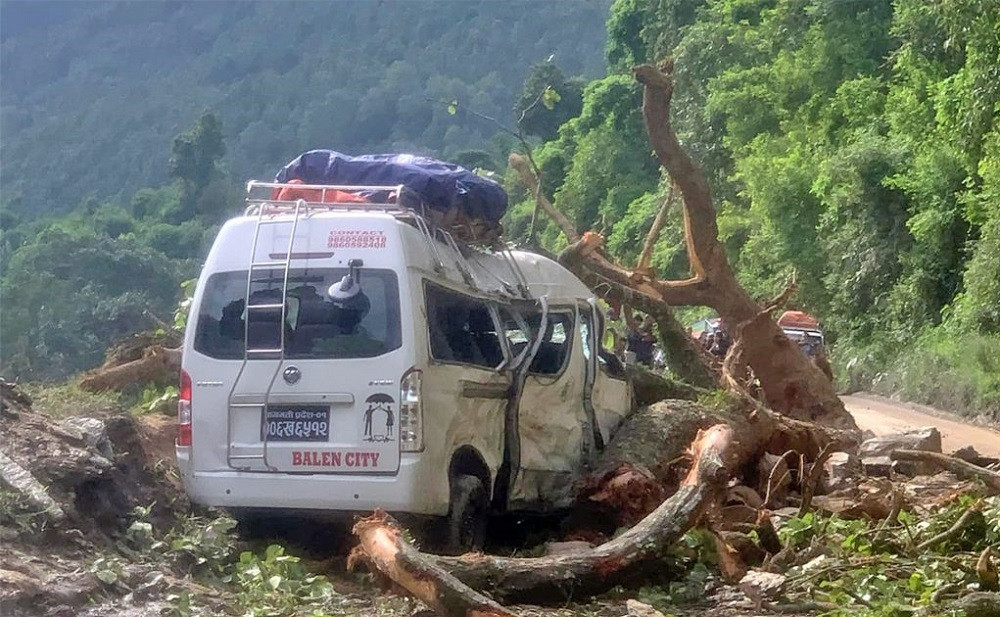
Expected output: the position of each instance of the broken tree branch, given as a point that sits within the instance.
(811, 482)
(384, 547)
(700, 227)
(530, 180)
(949, 533)
(960, 468)
(557, 577)
(584, 255)
(157, 363)
(646, 256)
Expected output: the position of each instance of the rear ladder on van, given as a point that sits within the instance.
(240, 403)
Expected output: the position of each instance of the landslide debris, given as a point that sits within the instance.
(68, 493)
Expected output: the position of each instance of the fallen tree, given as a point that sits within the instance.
(145, 357)
(960, 468)
(634, 473)
(157, 364)
(790, 383)
(543, 579)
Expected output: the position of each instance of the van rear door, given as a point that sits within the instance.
(328, 402)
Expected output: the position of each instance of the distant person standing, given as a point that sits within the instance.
(720, 342)
(640, 338)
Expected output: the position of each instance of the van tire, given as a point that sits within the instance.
(467, 514)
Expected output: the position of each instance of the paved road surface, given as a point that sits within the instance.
(881, 416)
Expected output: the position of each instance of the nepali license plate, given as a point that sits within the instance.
(296, 423)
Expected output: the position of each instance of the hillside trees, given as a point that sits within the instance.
(852, 143)
(74, 285)
(547, 100)
(70, 292)
(119, 80)
(194, 161)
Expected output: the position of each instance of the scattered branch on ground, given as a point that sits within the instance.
(957, 466)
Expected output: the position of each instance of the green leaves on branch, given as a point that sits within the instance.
(550, 98)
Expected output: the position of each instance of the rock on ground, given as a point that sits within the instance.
(875, 452)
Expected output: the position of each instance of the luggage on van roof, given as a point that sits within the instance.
(441, 186)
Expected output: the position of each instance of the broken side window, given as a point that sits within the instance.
(553, 352)
(461, 329)
(606, 359)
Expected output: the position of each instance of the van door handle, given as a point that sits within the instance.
(475, 389)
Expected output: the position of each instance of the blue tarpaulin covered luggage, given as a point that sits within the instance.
(442, 186)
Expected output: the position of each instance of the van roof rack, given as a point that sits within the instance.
(397, 199)
(449, 228)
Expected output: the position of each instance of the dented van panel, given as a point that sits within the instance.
(612, 400)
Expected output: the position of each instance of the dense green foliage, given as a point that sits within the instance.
(93, 92)
(75, 284)
(855, 143)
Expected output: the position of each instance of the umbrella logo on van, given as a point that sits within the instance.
(379, 417)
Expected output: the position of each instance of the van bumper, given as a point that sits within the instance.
(401, 492)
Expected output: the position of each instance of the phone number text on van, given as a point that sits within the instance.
(356, 239)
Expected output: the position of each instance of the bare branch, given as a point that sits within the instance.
(957, 466)
(951, 532)
(529, 177)
(654, 232)
(701, 230)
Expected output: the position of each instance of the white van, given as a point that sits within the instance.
(380, 364)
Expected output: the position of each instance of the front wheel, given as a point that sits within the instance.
(467, 514)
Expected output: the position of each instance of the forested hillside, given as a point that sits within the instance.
(115, 179)
(93, 92)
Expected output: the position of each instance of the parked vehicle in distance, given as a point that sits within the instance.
(804, 329)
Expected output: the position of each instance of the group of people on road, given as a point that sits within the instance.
(634, 341)
(716, 341)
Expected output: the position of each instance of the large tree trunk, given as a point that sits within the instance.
(157, 364)
(513, 579)
(792, 385)
(639, 466)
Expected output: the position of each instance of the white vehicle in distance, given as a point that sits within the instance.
(346, 356)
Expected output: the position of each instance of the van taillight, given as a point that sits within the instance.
(184, 411)
(411, 426)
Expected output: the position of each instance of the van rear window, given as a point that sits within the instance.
(314, 326)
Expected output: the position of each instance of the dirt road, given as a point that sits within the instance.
(881, 416)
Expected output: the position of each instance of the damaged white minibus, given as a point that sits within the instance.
(343, 355)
